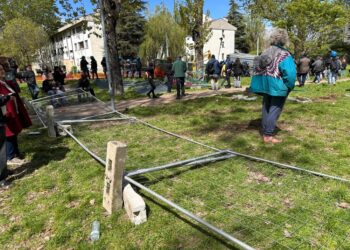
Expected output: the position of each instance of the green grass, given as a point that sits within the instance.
(54, 202)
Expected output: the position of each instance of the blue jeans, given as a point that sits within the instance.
(12, 147)
(271, 110)
(332, 77)
(302, 79)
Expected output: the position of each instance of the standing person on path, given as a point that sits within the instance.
(150, 77)
(227, 71)
(179, 68)
(213, 71)
(318, 67)
(273, 77)
(303, 69)
(104, 66)
(84, 66)
(237, 73)
(169, 74)
(333, 68)
(93, 67)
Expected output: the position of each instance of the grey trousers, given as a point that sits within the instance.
(3, 158)
(271, 110)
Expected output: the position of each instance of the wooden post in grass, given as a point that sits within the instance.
(114, 175)
(50, 121)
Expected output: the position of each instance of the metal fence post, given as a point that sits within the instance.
(114, 175)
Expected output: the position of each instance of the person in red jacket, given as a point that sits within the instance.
(16, 117)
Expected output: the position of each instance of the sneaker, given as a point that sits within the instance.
(15, 162)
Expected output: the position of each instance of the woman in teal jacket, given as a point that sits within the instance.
(274, 76)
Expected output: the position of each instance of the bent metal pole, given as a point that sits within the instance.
(190, 215)
(273, 163)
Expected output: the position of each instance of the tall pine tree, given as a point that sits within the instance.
(130, 29)
(236, 19)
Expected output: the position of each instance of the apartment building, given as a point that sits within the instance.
(76, 39)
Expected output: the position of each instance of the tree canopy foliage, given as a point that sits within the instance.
(236, 18)
(312, 25)
(191, 19)
(22, 39)
(130, 29)
(163, 36)
(42, 12)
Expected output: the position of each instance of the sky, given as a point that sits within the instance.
(217, 8)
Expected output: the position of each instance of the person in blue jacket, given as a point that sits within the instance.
(274, 76)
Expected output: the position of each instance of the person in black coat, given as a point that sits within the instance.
(93, 67)
(150, 77)
(84, 66)
(59, 75)
(237, 73)
(84, 84)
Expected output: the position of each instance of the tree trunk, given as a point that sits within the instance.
(197, 33)
(111, 9)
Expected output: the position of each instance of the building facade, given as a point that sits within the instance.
(74, 40)
(221, 42)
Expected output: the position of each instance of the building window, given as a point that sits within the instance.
(81, 45)
(86, 44)
(75, 47)
(78, 29)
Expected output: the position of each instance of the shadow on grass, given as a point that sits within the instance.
(40, 157)
(192, 224)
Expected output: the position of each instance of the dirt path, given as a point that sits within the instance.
(171, 97)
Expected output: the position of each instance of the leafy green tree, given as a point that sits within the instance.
(163, 37)
(236, 19)
(22, 39)
(130, 30)
(191, 19)
(255, 30)
(42, 12)
(312, 25)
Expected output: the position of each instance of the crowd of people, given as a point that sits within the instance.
(331, 68)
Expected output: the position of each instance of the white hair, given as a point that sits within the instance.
(279, 37)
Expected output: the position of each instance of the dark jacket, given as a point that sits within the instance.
(93, 65)
(29, 77)
(59, 76)
(3, 100)
(84, 83)
(318, 66)
(238, 69)
(84, 65)
(213, 67)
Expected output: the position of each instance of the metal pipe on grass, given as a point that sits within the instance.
(191, 216)
(183, 163)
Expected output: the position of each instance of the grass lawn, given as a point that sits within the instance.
(57, 196)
